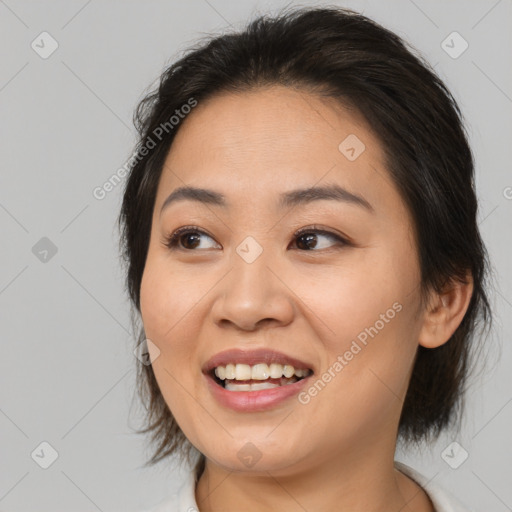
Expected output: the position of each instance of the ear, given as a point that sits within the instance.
(445, 313)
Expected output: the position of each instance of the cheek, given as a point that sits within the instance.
(368, 315)
(166, 297)
(350, 298)
(171, 311)
(168, 316)
(366, 372)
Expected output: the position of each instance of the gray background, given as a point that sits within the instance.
(67, 367)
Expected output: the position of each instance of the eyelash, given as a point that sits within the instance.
(171, 241)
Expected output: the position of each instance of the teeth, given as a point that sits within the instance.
(250, 387)
(230, 371)
(262, 385)
(276, 371)
(288, 370)
(230, 386)
(238, 387)
(260, 371)
(220, 371)
(243, 372)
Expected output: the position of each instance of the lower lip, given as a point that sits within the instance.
(253, 401)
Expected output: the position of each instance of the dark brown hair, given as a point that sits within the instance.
(340, 54)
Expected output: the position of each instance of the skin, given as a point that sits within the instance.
(336, 452)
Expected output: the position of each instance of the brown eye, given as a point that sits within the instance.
(187, 238)
(312, 239)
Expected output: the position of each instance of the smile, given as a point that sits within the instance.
(244, 377)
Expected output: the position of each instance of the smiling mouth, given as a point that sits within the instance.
(257, 384)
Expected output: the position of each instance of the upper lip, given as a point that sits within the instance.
(252, 357)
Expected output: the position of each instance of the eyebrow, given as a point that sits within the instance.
(287, 199)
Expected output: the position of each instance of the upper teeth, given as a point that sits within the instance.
(259, 371)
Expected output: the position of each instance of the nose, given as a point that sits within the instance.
(253, 294)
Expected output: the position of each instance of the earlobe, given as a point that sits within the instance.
(445, 313)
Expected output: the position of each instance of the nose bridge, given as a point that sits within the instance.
(251, 278)
(252, 292)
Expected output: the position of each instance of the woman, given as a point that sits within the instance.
(301, 242)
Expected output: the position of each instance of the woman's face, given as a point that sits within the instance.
(349, 310)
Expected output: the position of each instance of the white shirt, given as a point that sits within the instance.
(184, 499)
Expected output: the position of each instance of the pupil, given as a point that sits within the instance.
(188, 236)
(309, 238)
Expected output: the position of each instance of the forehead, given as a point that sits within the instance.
(275, 139)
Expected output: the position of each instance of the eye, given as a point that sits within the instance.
(190, 234)
(189, 238)
(308, 238)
